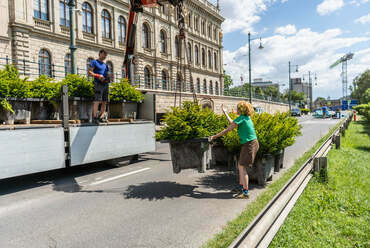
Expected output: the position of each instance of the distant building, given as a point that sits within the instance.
(258, 82)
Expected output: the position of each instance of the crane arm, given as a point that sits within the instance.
(136, 6)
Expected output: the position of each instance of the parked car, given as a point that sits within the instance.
(296, 112)
(258, 110)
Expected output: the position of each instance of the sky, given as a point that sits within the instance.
(312, 34)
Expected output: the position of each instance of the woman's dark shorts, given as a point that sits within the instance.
(101, 91)
(248, 153)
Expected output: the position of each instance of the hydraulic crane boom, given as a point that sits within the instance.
(136, 6)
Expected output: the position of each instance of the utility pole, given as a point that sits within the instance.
(310, 89)
(72, 34)
(290, 108)
(250, 69)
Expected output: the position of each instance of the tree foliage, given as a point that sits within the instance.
(361, 87)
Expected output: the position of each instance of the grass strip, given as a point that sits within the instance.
(336, 213)
(233, 228)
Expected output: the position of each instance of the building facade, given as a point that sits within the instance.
(34, 35)
(259, 82)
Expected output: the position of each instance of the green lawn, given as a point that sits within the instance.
(336, 214)
(233, 228)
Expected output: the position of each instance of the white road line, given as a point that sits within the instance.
(119, 176)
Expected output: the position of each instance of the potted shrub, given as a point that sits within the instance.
(44, 91)
(14, 92)
(286, 132)
(124, 99)
(81, 95)
(185, 130)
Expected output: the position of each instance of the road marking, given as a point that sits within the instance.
(119, 176)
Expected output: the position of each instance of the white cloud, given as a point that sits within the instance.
(328, 6)
(241, 15)
(312, 51)
(288, 29)
(363, 19)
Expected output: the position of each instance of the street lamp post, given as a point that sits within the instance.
(250, 68)
(72, 25)
(310, 87)
(290, 85)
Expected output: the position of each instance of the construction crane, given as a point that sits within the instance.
(136, 6)
(343, 60)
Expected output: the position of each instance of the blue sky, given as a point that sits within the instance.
(310, 33)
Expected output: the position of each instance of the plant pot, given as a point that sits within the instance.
(279, 159)
(123, 110)
(39, 110)
(190, 154)
(80, 109)
(22, 112)
(221, 156)
(262, 170)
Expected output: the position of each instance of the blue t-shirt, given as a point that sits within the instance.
(99, 68)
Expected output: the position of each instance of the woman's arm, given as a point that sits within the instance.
(228, 129)
(226, 114)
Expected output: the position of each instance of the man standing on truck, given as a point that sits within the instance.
(100, 71)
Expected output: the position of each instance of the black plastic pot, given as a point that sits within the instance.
(221, 156)
(190, 154)
(279, 160)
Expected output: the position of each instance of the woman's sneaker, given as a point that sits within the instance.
(237, 189)
(242, 195)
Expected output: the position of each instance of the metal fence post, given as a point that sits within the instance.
(24, 67)
(53, 70)
(65, 124)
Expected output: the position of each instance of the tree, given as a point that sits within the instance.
(271, 91)
(228, 82)
(259, 91)
(296, 96)
(361, 85)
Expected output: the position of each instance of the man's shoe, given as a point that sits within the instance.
(96, 120)
(241, 195)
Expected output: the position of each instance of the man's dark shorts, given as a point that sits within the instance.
(101, 91)
(248, 153)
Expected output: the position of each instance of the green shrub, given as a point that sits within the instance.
(124, 91)
(364, 110)
(79, 86)
(6, 105)
(189, 122)
(11, 85)
(45, 87)
(305, 111)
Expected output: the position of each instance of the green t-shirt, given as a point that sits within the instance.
(246, 130)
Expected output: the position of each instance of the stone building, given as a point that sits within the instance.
(34, 34)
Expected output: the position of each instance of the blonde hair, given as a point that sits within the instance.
(245, 108)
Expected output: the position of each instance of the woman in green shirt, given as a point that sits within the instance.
(248, 140)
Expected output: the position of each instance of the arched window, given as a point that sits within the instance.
(205, 86)
(88, 62)
(215, 59)
(106, 24)
(177, 47)
(164, 80)
(64, 13)
(203, 27)
(203, 57)
(87, 18)
(196, 55)
(41, 9)
(198, 85)
(147, 77)
(110, 67)
(217, 89)
(67, 64)
(211, 88)
(209, 31)
(196, 23)
(122, 29)
(163, 43)
(146, 36)
(192, 89)
(44, 63)
(214, 33)
(209, 59)
(189, 52)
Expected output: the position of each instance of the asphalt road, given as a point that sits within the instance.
(138, 205)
